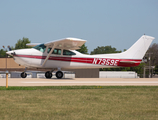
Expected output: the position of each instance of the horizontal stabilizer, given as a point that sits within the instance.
(130, 62)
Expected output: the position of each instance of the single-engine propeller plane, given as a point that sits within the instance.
(62, 53)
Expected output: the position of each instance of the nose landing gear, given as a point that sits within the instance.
(23, 74)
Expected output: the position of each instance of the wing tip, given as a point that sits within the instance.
(78, 39)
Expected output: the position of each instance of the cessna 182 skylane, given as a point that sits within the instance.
(61, 54)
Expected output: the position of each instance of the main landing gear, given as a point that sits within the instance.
(48, 74)
(59, 74)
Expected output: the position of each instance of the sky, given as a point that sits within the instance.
(118, 23)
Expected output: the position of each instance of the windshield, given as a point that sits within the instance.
(40, 47)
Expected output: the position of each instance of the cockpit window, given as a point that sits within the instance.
(55, 51)
(67, 52)
(40, 47)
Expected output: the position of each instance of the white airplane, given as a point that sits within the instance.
(61, 54)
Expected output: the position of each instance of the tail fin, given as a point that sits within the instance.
(139, 48)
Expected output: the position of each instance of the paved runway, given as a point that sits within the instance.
(80, 81)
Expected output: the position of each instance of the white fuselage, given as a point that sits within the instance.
(34, 58)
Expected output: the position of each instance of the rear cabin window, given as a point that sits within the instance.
(55, 51)
(40, 47)
(67, 52)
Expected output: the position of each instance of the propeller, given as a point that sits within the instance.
(9, 48)
(11, 52)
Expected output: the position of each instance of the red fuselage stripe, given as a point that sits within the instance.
(98, 61)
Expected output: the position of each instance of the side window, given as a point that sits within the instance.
(55, 51)
(67, 52)
(49, 49)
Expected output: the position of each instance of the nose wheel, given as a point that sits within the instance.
(48, 74)
(23, 74)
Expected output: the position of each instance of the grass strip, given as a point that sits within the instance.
(72, 87)
(79, 103)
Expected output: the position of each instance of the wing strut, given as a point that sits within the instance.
(48, 56)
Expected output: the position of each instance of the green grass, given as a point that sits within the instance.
(73, 87)
(79, 102)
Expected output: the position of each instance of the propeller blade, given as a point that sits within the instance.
(9, 48)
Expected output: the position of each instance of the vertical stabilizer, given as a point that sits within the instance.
(139, 48)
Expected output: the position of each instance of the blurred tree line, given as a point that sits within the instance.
(153, 54)
(21, 44)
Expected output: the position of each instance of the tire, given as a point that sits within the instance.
(23, 75)
(59, 74)
(48, 74)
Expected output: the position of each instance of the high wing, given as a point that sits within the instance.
(33, 44)
(67, 43)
